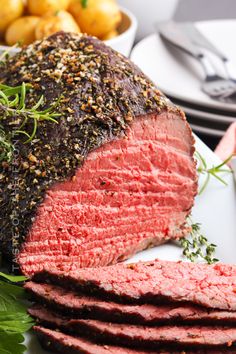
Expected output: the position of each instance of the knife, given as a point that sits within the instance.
(171, 32)
(199, 39)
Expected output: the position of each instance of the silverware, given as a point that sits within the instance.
(213, 85)
(199, 39)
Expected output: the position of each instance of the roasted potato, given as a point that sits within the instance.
(41, 7)
(98, 18)
(10, 10)
(110, 35)
(51, 23)
(22, 30)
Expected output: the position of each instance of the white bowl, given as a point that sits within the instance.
(122, 43)
(148, 12)
(127, 32)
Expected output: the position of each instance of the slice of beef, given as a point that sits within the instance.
(136, 336)
(70, 303)
(212, 286)
(154, 337)
(66, 344)
(115, 175)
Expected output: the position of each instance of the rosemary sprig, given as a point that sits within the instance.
(196, 246)
(34, 114)
(6, 147)
(213, 171)
(13, 104)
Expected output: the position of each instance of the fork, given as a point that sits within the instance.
(213, 85)
(200, 40)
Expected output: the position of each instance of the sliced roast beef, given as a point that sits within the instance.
(114, 176)
(76, 305)
(213, 286)
(136, 336)
(66, 344)
(152, 337)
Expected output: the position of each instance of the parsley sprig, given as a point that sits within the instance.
(196, 246)
(14, 320)
(213, 171)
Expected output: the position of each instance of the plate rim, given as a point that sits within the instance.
(208, 116)
(213, 104)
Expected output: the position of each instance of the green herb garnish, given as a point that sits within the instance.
(196, 246)
(14, 320)
(13, 278)
(213, 171)
(84, 3)
(11, 343)
(6, 147)
(13, 104)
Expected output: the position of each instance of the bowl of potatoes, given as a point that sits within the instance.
(24, 21)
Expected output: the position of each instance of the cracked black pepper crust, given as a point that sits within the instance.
(101, 93)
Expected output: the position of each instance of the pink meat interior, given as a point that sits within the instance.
(130, 194)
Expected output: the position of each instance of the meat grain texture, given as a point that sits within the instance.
(136, 336)
(211, 286)
(115, 175)
(77, 305)
(67, 344)
(154, 337)
(159, 306)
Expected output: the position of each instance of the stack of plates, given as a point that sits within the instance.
(179, 76)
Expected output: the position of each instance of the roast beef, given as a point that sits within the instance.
(136, 336)
(76, 305)
(212, 286)
(115, 175)
(66, 344)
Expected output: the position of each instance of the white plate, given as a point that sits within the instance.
(207, 123)
(179, 75)
(215, 209)
(200, 124)
(207, 131)
(207, 116)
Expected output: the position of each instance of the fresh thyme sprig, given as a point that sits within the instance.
(213, 171)
(13, 104)
(196, 246)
